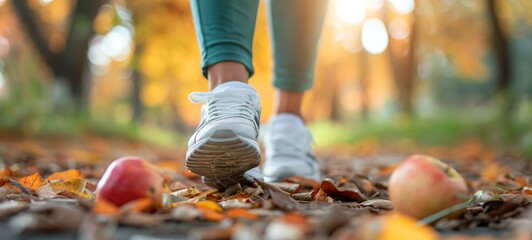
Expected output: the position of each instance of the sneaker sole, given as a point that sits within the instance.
(223, 158)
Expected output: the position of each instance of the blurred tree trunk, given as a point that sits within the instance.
(502, 52)
(136, 84)
(403, 65)
(69, 63)
(364, 84)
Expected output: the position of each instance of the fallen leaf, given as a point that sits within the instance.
(241, 213)
(5, 172)
(33, 181)
(304, 182)
(46, 192)
(287, 203)
(235, 203)
(138, 205)
(76, 186)
(399, 226)
(527, 190)
(378, 203)
(176, 185)
(210, 205)
(187, 173)
(288, 187)
(65, 175)
(104, 207)
(185, 213)
(342, 194)
(211, 215)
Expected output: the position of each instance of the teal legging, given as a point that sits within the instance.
(225, 31)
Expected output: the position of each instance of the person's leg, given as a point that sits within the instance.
(224, 145)
(295, 27)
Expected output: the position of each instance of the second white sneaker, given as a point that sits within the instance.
(287, 143)
(225, 145)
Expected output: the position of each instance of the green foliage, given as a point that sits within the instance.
(488, 125)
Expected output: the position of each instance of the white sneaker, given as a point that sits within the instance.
(288, 151)
(225, 145)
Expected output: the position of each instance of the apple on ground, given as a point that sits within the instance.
(128, 179)
(422, 185)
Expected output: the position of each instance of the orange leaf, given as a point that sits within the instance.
(102, 206)
(3, 182)
(211, 215)
(210, 205)
(139, 205)
(527, 190)
(189, 174)
(5, 172)
(33, 181)
(65, 175)
(398, 226)
(241, 213)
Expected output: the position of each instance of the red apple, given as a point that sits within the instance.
(130, 178)
(422, 185)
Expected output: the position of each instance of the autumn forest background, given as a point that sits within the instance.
(407, 72)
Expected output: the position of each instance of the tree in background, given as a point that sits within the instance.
(501, 48)
(68, 62)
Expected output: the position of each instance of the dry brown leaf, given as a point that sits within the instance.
(176, 185)
(241, 213)
(235, 203)
(65, 175)
(378, 203)
(304, 182)
(341, 193)
(33, 181)
(288, 187)
(185, 213)
(46, 192)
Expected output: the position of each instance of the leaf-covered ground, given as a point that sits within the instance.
(47, 190)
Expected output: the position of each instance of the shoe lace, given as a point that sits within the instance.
(226, 102)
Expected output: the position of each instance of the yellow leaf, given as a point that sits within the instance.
(401, 227)
(33, 181)
(65, 175)
(76, 186)
(209, 205)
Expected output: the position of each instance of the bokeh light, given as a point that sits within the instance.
(403, 6)
(351, 11)
(399, 29)
(374, 36)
